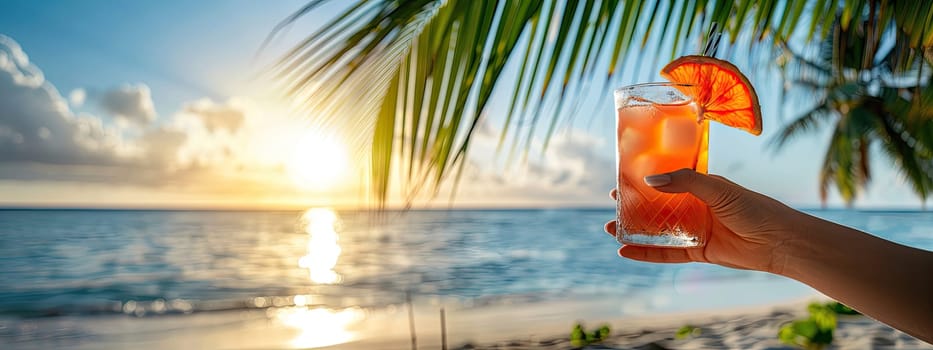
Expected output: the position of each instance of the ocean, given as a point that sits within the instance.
(132, 265)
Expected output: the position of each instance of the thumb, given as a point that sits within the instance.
(715, 191)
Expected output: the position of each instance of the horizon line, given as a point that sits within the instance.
(221, 208)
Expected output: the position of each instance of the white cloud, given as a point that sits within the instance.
(234, 144)
(576, 169)
(36, 124)
(77, 97)
(161, 146)
(132, 103)
(227, 116)
(41, 138)
(207, 149)
(15, 61)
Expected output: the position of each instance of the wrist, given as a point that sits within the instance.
(801, 247)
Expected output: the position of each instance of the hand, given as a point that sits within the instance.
(748, 228)
(882, 279)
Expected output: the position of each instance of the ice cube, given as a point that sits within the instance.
(642, 166)
(637, 116)
(679, 136)
(655, 163)
(632, 142)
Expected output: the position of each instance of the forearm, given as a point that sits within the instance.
(887, 281)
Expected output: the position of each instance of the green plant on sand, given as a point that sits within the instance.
(841, 309)
(816, 331)
(579, 337)
(688, 331)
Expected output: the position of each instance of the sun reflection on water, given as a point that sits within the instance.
(323, 250)
(321, 326)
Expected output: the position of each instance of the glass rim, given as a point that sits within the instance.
(649, 85)
(651, 93)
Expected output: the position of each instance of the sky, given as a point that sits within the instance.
(164, 105)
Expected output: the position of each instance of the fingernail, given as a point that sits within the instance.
(658, 180)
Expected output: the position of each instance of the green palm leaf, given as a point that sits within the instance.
(874, 96)
(409, 80)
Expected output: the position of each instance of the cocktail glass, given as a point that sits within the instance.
(658, 131)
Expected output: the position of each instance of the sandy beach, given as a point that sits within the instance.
(514, 326)
(747, 329)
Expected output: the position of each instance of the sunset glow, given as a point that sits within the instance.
(318, 161)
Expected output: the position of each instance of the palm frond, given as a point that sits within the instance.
(846, 163)
(808, 122)
(837, 163)
(916, 168)
(409, 81)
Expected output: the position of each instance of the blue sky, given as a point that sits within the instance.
(182, 49)
(181, 76)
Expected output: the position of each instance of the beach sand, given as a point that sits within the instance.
(520, 325)
(748, 329)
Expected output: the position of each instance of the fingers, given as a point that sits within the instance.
(723, 179)
(655, 255)
(714, 190)
(610, 228)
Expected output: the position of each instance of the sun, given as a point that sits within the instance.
(318, 161)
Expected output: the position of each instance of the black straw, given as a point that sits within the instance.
(712, 40)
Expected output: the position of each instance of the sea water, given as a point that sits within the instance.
(141, 264)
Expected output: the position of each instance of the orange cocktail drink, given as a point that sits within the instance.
(659, 131)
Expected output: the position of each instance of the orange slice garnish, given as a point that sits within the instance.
(721, 91)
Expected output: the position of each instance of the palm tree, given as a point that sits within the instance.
(869, 94)
(413, 78)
